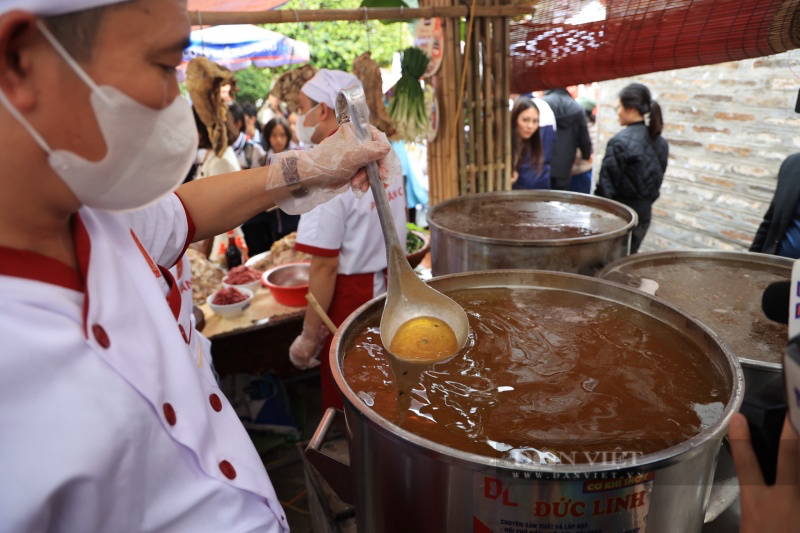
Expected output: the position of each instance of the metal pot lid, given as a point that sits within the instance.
(722, 289)
(533, 218)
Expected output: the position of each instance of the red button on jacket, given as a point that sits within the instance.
(227, 469)
(169, 414)
(216, 403)
(101, 336)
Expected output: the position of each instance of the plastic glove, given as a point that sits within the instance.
(300, 181)
(304, 351)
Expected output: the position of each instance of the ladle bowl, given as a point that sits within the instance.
(407, 297)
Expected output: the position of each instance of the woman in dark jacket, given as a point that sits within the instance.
(530, 170)
(636, 158)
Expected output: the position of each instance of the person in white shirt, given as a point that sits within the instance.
(249, 153)
(343, 236)
(111, 418)
(213, 164)
(252, 127)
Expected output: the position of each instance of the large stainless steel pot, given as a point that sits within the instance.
(703, 283)
(405, 483)
(499, 230)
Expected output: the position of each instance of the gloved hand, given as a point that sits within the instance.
(304, 351)
(300, 181)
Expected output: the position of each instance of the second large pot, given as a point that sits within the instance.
(544, 230)
(723, 290)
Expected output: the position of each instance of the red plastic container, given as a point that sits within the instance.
(288, 283)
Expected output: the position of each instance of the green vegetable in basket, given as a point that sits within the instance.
(407, 106)
(413, 242)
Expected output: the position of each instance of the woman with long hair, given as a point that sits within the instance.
(276, 136)
(527, 156)
(636, 158)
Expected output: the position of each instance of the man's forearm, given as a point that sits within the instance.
(322, 283)
(219, 203)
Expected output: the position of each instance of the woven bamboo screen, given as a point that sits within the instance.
(472, 152)
(577, 41)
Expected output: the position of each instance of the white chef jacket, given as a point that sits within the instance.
(110, 420)
(348, 227)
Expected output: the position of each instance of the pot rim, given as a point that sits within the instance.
(612, 206)
(747, 257)
(647, 462)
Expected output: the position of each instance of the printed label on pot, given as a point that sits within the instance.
(518, 504)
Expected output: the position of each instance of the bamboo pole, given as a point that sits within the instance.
(452, 170)
(472, 151)
(488, 101)
(507, 112)
(461, 142)
(477, 52)
(212, 18)
(497, 98)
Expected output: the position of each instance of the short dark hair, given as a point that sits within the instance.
(77, 32)
(249, 109)
(237, 112)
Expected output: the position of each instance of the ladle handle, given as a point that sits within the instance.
(351, 105)
(384, 210)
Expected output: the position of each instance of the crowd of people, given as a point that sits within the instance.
(551, 148)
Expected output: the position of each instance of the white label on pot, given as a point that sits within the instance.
(523, 504)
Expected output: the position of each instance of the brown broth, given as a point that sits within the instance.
(524, 219)
(723, 294)
(547, 376)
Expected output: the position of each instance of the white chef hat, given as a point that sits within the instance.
(324, 87)
(48, 8)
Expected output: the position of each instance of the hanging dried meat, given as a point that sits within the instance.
(287, 86)
(203, 81)
(368, 73)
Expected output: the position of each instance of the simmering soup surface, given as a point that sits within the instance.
(724, 294)
(546, 376)
(525, 219)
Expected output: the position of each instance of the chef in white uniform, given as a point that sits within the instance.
(343, 236)
(110, 416)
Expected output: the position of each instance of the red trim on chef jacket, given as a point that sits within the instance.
(351, 292)
(83, 249)
(37, 267)
(152, 264)
(190, 234)
(313, 250)
(174, 296)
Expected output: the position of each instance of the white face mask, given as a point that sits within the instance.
(149, 151)
(304, 133)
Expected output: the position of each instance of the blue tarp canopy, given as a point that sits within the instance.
(239, 46)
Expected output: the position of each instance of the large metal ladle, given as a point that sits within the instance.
(407, 297)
